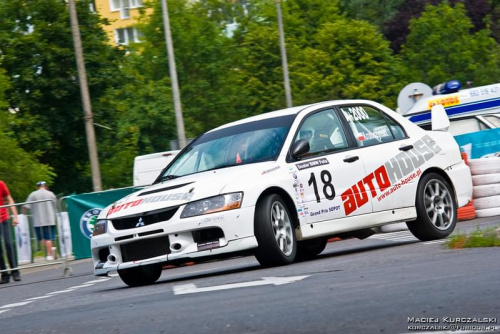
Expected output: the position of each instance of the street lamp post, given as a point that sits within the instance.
(84, 91)
(284, 60)
(173, 77)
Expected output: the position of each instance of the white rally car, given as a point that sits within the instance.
(280, 184)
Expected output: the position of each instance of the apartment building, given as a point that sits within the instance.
(122, 15)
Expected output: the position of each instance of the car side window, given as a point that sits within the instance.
(466, 125)
(323, 130)
(370, 126)
(396, 129)
(493, 119)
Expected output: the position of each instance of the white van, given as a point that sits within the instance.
(148, 167)
(469, 110)
(474, 113)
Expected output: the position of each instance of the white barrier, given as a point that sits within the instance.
(23, 239)
(64, 231)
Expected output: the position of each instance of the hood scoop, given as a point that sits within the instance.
(163, 189)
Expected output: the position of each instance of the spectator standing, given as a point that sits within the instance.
(6, 235)
(43, 216)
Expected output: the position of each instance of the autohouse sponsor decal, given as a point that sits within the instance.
(153, 199)
(414, 175)
(404, 167)
(312, 163)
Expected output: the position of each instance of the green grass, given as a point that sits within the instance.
(479, 238)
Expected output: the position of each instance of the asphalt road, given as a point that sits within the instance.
(369, 286)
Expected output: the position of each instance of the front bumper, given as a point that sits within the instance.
(461, 178)
(174, 240)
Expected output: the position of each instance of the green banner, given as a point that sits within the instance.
(83, 210)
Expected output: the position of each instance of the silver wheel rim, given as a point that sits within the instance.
(438, 204)
(282, 228)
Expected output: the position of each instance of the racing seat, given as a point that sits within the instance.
(321, 142)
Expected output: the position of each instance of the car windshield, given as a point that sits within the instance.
(236, 145)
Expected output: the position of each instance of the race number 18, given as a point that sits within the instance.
(328, 189)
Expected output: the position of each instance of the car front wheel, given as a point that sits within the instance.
(436, 209)
(143, 275)
(274, 232)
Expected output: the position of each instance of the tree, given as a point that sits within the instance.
(434, 53)
(397, 29)
(330, 57)
(19, 169)
(38, 55)
(143, 122)
(258, 48)
(378, 12)
(350, 60)
(209, 82)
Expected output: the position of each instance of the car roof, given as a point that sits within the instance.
(267, 115)
(289, 111)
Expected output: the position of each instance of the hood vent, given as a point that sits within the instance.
(163, 189)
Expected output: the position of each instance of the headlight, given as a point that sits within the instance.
(100, 227)
(213, 204)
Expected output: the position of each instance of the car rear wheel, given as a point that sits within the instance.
(436, 209)
(143, 275)
(308, 249)
(274, 232)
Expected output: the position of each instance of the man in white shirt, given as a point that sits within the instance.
(43, 216)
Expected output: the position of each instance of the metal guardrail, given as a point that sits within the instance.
(64, 259)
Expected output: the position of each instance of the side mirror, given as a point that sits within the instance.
(300, 148)
(440, 120)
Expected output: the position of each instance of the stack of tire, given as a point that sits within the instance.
(467, 212)
(486, 181)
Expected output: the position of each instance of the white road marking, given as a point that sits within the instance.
(58, 292)
(16, 304)
(191, 288)
(98, 280)
(78, 287)
(392, 235)
(403, 236)
(36, 298)
(50, 294)
(406, 232)
(395, 236)
(440, 241)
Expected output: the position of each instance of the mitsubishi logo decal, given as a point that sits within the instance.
(140, 223)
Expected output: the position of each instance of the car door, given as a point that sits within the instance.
(390, 157)
(325, 176)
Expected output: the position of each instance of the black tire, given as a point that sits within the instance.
(308, 249)
(274, 232)
(139, 276)
(436, 209)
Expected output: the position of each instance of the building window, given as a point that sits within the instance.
(125, 36)
(124, 6)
